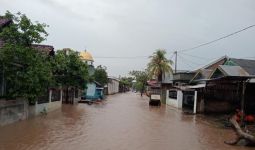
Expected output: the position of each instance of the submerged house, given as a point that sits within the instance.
(12, 110)
(94, 90)
(198, 83)
(231, 86)
(112, 86)
(217, 87)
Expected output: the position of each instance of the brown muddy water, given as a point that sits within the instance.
(123, 122)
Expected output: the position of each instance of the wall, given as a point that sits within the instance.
(113, 86)
(175, 102)
(16, 110)
(91, 89)
(38, 109)
(12, 111)
(222, 96)
(167, 78)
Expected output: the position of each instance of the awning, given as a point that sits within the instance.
(252, 80)
(196, 86)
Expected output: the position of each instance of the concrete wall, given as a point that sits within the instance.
(15, 110)
(12, 111)
(38, 109)
(113, 86)
(175, 102)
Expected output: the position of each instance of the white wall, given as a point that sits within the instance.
(113, 86)
(37, 109)
(174, 102)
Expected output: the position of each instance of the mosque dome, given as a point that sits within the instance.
(86, 56)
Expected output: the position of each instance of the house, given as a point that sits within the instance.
(112, 86)
(204, 73)
(19, 109)
(87, 58)
(179, 78)
(94, 90)
(182, 77)
(153, 87)
(189, 87)
(13, 110)
(231, 87)
(218, 86)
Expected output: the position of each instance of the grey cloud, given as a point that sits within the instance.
(129, 28)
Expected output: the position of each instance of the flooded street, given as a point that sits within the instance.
(122, 122)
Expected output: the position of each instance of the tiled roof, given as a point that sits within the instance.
(46, 49)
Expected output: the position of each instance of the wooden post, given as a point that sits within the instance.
(242, 102)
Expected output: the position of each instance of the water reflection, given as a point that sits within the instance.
(124, 121)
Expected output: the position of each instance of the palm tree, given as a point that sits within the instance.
(159, 64)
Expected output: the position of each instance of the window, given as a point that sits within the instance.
(173, 94)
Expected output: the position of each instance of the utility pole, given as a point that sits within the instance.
(175, 63)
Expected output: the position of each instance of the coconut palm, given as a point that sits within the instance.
(159, 65)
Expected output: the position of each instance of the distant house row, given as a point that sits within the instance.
(222, 86)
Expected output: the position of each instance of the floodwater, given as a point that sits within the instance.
(122, 122)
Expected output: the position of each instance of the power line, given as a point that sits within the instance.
(121, 57)
(199, 57)
(226, 36)
(192, 62)
(185, 62)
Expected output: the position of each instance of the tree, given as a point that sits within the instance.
(249, 139)
(69, 70)
(100, 75)
(22, 31)
(159, 64)
(125, 83)
(27, 72)
(141, 79)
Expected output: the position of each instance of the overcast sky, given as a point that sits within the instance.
(135, 28)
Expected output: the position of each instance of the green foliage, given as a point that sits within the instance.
(141, 79)
(159, 64)
(100, 75)
(126, 81)
(139, 86)
(22, 31)
(69, 70)
(27, 72)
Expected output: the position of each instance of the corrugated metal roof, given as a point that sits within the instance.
(246, 64)
(233, 71)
